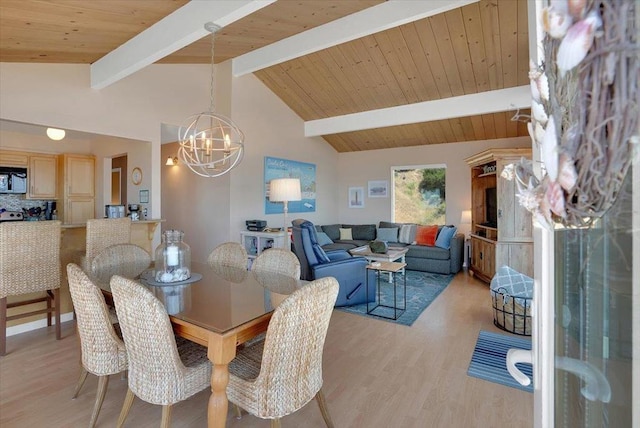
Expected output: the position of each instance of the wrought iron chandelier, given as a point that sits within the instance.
(210, 143)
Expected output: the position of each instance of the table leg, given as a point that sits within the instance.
(221, 351)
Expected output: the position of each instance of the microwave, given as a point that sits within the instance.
(13, 180)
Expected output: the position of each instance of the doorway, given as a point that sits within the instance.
(119, 180)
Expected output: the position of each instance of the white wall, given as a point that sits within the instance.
(272, 129)
(357, 168)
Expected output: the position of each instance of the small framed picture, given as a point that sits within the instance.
(144, 196)
(378, 189)
(356, 197)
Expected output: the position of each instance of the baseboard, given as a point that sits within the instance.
(34, 325)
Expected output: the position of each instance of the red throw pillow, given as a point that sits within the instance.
(426, 235)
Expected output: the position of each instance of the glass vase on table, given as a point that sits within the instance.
(173, 258)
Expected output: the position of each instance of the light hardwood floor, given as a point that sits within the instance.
(376, 374)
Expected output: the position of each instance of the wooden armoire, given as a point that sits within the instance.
(501, 229)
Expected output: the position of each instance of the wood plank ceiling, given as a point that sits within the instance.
(476, 48)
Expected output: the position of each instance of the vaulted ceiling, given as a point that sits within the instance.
(457, 74)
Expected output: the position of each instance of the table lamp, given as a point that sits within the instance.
(285, 190)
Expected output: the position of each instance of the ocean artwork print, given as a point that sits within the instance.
(285, 168)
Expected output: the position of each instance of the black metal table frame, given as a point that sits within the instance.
(395, 307)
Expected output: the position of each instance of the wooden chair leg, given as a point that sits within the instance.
(49, 299)
(166, 416)
(275, 423)
(103, 381)
(322, 403)
(83, 377)
(3, 326)
(57, 308)
(126, 406)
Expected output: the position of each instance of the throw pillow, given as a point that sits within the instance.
(345, 235)
(389, 234)
(426, 235)
(407, 234)
(323, 238)
(444, 238)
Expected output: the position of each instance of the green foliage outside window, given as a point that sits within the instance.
(419, 195)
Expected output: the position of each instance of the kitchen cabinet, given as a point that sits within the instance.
(42, 176)
(13, 159)
(76, 184)
(501, 229)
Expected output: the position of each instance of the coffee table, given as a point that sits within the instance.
(393, 254)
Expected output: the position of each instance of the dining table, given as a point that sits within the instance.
(219, 307)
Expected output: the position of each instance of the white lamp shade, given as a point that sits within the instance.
(465, 218)
(284, 189)
(55, 134)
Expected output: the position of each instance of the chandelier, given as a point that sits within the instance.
(210, 143)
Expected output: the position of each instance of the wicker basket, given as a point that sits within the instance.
(511, 313)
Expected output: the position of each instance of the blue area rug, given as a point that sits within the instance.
(422, 289)
(489, 360)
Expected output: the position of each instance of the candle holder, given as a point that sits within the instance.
(173, 258)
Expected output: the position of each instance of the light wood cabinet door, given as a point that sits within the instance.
(79, 210)
(80, 176)
(43, 176)
(13, 159)
(514, 222)
(483, 258)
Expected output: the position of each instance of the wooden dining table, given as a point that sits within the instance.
(223, 309)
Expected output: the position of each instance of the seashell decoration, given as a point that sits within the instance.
(555, 21)
(537, 110)
(577, 42)
(549, 150)
(567, 175)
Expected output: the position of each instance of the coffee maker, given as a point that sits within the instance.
(50, 210)
(134, 212)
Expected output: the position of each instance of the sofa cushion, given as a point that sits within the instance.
(425, 252)
(426, 235)
(323, 238)
(332, 231)
(407, 234)
(320, 254)
(388, 224)
(339, 245)
(388, 234)
(444, 237)
(346, 234)
(362, 232)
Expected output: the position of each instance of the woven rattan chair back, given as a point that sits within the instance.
(103, 233)
(29, 262)
(290, 373)
(277, 260)
(103, 352)
(157, 374)
(127, 260)
(229, 254)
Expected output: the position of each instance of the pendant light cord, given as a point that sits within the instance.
(213, 67)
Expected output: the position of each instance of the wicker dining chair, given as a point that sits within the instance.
(229, 254)
(103, 352)
(103, 233)
(127, 260)
(277, 260)
(278, 376)
(160, 371)
(29, 263)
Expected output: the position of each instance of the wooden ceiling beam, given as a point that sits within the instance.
(175, 31)
(465, 105)
(389, 14)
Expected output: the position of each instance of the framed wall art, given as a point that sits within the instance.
(378, 189)
(356, 197)
(285, 168)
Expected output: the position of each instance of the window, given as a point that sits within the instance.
(419, 194)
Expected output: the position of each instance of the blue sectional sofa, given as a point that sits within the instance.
(419, 257)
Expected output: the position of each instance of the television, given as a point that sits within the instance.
(491, 207)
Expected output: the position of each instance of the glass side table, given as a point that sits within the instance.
(391, 268)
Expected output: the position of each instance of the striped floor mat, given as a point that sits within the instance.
(489, 359)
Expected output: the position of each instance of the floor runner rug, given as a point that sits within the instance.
(422, 289)
(489, 360)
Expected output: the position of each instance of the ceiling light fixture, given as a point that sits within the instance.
(210, 144)
(55, 134)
